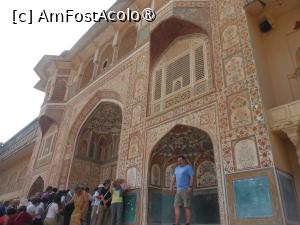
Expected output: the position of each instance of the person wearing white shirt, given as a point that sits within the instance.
(35, 209)
(52, 212)
(96, 204)
(31, 208)
(63, 199)
(39, 208)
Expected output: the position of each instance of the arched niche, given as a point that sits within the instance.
(37, 186)
(166, 32)
(97, 145)
(197, 147)
(99, 133)
(180, 64)
(87, 74)
(106, 57)
(127, 42)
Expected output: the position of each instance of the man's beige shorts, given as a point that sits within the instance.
(183, 198)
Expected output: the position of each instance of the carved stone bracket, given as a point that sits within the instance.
(286, 118)
(293, 133)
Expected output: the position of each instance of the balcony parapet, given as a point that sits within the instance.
(286, 118)
(23, 138)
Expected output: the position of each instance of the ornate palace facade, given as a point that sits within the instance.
(217, 81)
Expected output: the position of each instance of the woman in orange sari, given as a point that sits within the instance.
(80, 200)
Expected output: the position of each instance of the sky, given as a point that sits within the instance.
(22, 45)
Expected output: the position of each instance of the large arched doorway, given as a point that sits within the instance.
(97, 145)
(37, 186)
(197, 147)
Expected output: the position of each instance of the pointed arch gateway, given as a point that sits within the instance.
(65, 170)
(197, 147)
(37, 186)
(97, 144)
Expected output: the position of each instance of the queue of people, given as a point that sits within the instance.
(68, 207)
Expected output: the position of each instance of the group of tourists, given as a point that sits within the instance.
(68, 207)
(104, 207)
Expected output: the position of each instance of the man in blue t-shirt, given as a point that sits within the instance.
(184, 177)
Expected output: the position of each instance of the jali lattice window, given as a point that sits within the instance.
(181, 73)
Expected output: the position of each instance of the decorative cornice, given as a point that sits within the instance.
(283, 116)
(23, 138)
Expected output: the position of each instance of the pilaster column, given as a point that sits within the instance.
(78, 76)
(96, 63)
(115, 47)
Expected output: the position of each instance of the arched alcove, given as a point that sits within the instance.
(106, 57)
(37, 186)
(180, 73)
(87, 75)
(166, 32)
(66, 175)
(97, 145)
(180, 64)
(128, 41)
(197, 147)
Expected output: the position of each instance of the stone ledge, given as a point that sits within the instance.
(285, 116)
(10, 196)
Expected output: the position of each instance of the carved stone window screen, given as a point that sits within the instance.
(177, 84)
(179, 68)
(199, 63)
(158, 84)
(190, 67)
